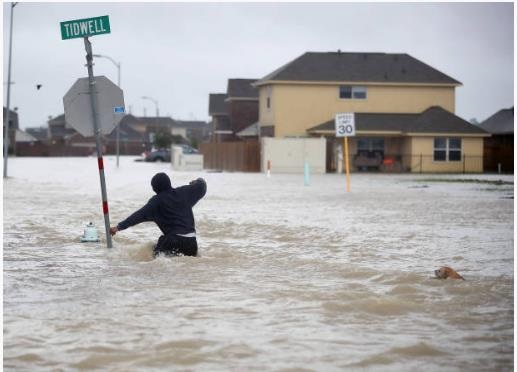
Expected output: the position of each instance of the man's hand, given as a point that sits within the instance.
(113, 230)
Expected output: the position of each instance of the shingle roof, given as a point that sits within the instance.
(217, 104)
(499, 123)
(433, 120)
(241, 88)
(127, 132)
(41, 134)
(358, 67)
(191, 124)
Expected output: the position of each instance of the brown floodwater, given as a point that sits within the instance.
(290, 277)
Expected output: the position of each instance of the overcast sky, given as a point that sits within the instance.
(178, 53)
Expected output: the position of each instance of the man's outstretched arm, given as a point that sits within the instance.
(144, 214)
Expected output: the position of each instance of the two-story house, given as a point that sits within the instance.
(404, 110)
(13, 127)
(234, 111)
(218, 110)
(499, 148)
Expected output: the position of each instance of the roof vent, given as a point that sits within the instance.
(339, 51)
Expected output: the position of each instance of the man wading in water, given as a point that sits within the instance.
(171, 210)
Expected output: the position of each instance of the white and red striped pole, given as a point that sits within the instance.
(96, 129)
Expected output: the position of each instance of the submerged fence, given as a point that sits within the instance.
(417, 164)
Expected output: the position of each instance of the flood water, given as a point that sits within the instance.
(290, 277)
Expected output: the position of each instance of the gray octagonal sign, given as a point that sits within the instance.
(78, 108)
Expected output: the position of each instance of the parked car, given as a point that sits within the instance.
(161, 155)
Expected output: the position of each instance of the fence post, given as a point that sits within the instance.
(464, 157)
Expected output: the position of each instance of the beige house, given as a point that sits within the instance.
(404, 111)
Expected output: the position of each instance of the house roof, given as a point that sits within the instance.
(433, 120)
(217, 104)
(159, 121)
(23, 136)
(499, 123)
(127, 132)
(358, 67)
(41, 134)
(250, 131)
(241, 88)
(191, 124)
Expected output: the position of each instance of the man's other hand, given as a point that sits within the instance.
(113, 230)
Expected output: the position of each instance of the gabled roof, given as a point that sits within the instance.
(434, 120)
(250, 131)
(127, 132)
(191, 124)
(23, 136)
(160, 121)
(358, 67)
(499, 123)
(41, 134)
(217, 104)
(241, 88)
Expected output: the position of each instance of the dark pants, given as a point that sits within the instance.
(175, 245)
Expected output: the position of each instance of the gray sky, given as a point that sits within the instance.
(178, 53)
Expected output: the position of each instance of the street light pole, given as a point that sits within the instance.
(155, 103)
(8, 108)
(117, 64)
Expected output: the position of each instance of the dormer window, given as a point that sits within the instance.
(352, 92)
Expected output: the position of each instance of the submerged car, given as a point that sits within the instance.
(159, 155)
(162, 155)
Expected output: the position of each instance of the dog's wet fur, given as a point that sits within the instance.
(446, 272)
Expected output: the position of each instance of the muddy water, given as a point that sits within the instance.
(290, 277)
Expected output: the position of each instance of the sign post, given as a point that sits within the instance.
(76, 113)
(345, 127)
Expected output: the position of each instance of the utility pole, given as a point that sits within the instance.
(8, 108)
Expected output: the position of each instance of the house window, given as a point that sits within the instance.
(268, 102)
(370, 146)
(447, 149)
(352, 92)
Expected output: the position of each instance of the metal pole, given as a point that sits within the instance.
(96, 129)
(8, 108)
(118, 124)
(347, 165)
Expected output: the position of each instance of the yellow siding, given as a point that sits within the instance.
(297, 107)
(472, 149)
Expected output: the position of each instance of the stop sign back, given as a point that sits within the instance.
(78, 109)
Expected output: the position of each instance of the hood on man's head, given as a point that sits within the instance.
(161, 182)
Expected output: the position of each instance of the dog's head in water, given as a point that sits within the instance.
(445, 272)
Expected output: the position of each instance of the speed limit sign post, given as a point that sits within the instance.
(345, 127)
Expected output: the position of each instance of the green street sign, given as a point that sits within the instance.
(85, 27)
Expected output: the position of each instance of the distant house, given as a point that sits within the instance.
(218, 110)
(195, 131)
(499, 149)
(242, 104)
(404, 109)
(32, 142)
(13, 127)
(234, 111)
(131, 142)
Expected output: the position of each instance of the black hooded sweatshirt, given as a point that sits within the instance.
(170, 208)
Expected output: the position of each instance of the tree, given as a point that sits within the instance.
(162, 140)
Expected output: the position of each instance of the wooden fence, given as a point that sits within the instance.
(232, 156)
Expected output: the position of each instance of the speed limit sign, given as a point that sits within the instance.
(345, 124)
